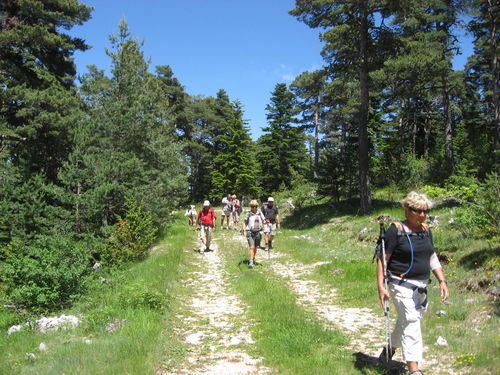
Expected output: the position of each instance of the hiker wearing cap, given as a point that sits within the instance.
(271, 223)
(236, 211)
(410, 256)
(227, 208)
(191, 214)
(252, 227)
(206, 222)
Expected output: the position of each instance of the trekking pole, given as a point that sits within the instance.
(388, 343)
(268, 250)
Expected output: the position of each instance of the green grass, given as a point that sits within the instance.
(142, 296)
(291, 340)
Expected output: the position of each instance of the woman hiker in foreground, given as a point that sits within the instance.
(410, 256)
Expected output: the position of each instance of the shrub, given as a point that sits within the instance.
(463, 188)
(46, 273)
(139, 296)
(487, 199)
(482, 215)
(434, 192)
(302, 193)
(412, 174)
(132, 236)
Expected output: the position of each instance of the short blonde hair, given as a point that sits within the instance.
(416, 200)
(254, 202)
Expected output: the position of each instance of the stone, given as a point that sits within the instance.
(441, 341)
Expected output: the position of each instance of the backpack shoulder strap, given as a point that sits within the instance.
(399, 227)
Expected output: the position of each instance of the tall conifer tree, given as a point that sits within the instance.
(350, 37)
(281, 149)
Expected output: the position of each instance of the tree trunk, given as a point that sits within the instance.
(427, 132)
(414, 129)
(364, 181)
(448, 129)
(316, 144)
(401, 128)
(496, 77)
(448, 122)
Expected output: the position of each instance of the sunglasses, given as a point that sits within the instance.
(418, 211)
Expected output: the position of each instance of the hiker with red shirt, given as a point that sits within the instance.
(206, 223)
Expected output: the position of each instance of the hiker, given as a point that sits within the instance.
(206, 223)
(227, 207)
(236, 211)
(271, 223)
(410, 256)
(191, 214)
(252, 227)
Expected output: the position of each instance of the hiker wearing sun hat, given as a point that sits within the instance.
(206, 222)
(252, 227)
(271, 222)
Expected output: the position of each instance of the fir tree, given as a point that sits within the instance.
(281, 148)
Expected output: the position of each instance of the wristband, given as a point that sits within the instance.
(443, 281)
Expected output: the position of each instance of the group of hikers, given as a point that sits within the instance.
(256, 221)
(403, 266)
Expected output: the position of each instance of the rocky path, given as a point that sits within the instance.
(213, 322)
(218, 335)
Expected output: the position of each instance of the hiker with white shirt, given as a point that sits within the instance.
(252, 227)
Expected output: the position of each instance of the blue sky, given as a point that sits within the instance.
(245, 47)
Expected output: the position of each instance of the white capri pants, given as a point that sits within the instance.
(407, 333)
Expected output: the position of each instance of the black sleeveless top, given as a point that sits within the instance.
(401, 259)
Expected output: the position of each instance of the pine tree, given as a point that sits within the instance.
(126, 145)
(483, 82)
(38, 102)
(235, 168)
(351, 50)
(281, 148)
(308, 87)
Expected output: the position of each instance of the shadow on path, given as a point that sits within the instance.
(364, 363)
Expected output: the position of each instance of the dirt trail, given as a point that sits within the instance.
(213, 323)
(363, 325)
(218, 336)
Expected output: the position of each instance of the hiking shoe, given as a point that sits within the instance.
(382, 358)
(418, 372)
(250, 264)
(270, 245)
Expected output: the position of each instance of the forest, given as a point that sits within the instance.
(92, 167)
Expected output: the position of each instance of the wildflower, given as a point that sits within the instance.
(116, 324)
